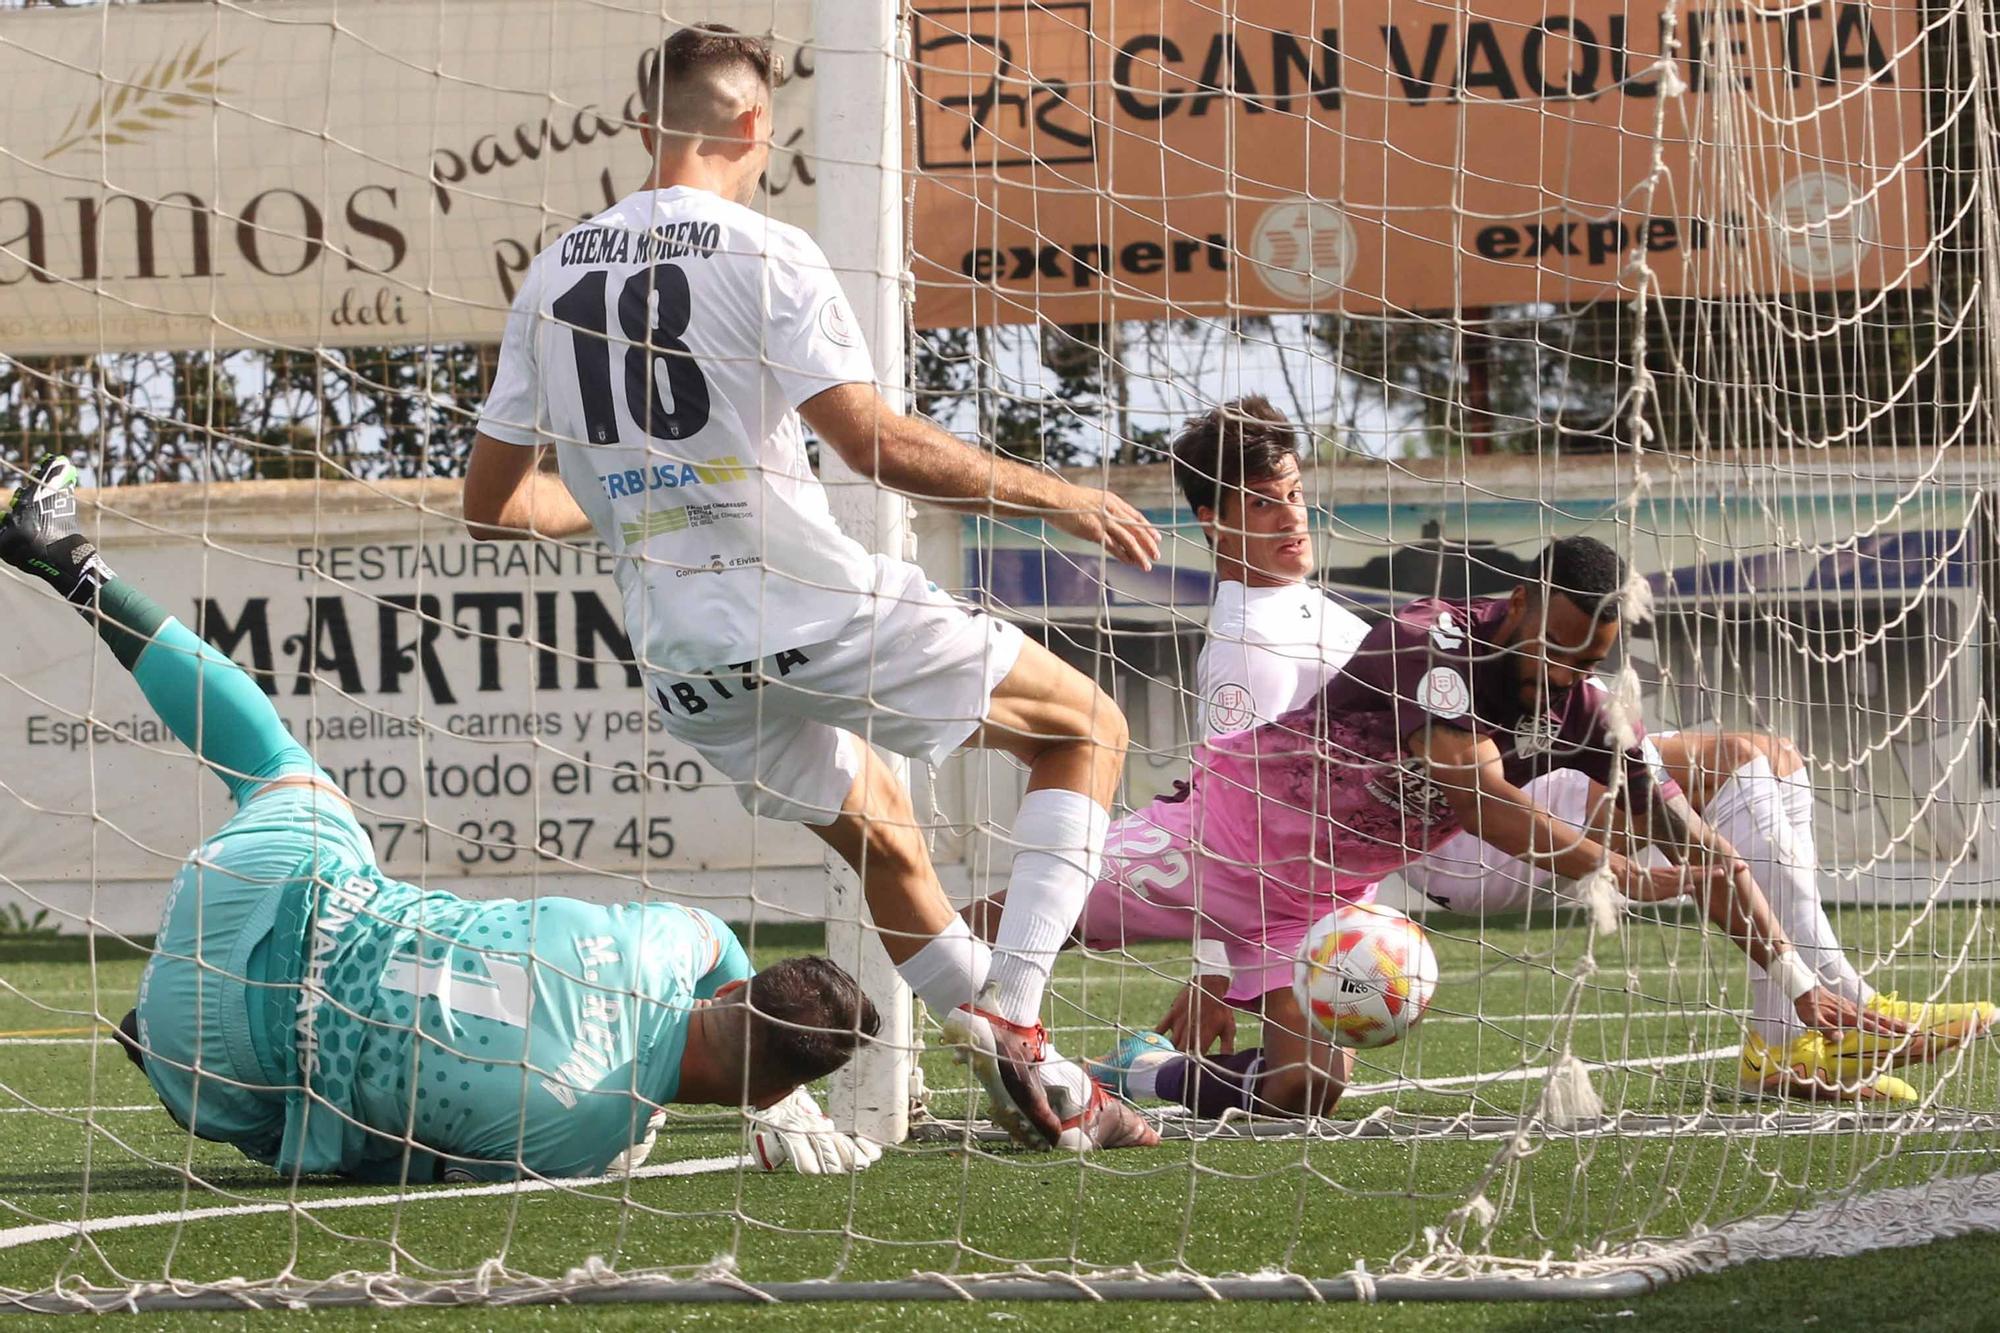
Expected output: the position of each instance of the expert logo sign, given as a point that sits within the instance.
(1303, 250)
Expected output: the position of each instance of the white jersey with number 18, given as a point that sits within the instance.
(664, 347)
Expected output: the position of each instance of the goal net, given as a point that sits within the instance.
(1709, 282)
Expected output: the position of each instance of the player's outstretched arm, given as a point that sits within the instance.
(925, 462)
(1707, 869)
(508, 498)
(1468, 771)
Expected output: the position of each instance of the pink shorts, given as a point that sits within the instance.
(1159, 884)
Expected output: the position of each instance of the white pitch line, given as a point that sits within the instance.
(14, 1237)
(78, 1110)
(1534, 1072)
(1642, 1007)
(1720, 966)
(1642, 1063)
(1358, 1090)
(1639, 1013)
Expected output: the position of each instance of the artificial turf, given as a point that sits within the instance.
(1655, 1009)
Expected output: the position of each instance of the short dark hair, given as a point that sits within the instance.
(671, 87)
(1244, 440)
(1589, 573)
(807, 1016)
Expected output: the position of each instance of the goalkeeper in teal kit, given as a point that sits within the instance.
(326, 1018)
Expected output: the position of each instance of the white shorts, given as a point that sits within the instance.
(1470, 876)
(914, 673)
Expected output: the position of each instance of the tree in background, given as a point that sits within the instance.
(368, 413)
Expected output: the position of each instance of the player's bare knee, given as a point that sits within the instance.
(1100, 725)
(1108, 729)
(1079, 742)
(1785, 757)
(1732, 752)
(880, 798)
(892, 845)
(876, 832)
(1093, 719)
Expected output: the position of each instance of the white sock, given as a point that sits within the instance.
(1061, 839)
(949, 970)
(1067, 1086)
(1751, 814)
(1796, 791)
(1140, 1079)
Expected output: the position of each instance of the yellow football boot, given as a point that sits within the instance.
(1935, 1028)
(1810, 1067)
(1946, 1023)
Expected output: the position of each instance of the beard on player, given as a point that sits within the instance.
(1553, 644)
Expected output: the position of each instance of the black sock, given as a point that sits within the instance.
(127, 620)
(1214, 1085)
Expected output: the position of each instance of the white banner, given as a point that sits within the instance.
(325, 172)
(473, 700)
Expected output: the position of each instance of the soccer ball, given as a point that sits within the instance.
(1365, 975)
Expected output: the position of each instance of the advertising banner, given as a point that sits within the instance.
(304, 173)
(477, 703)
(1083, 160)
(310, 173)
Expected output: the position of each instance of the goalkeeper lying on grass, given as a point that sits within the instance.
(326, 1018)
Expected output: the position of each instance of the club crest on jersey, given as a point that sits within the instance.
(1446, 633)
(1536, 735)
(1444, 693)
(835, 324)
(1229, 707)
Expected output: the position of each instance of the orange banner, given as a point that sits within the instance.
(1084, 160)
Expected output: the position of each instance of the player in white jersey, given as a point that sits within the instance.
(667, 349)
(1275, 639)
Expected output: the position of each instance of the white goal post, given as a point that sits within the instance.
(861, 213)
